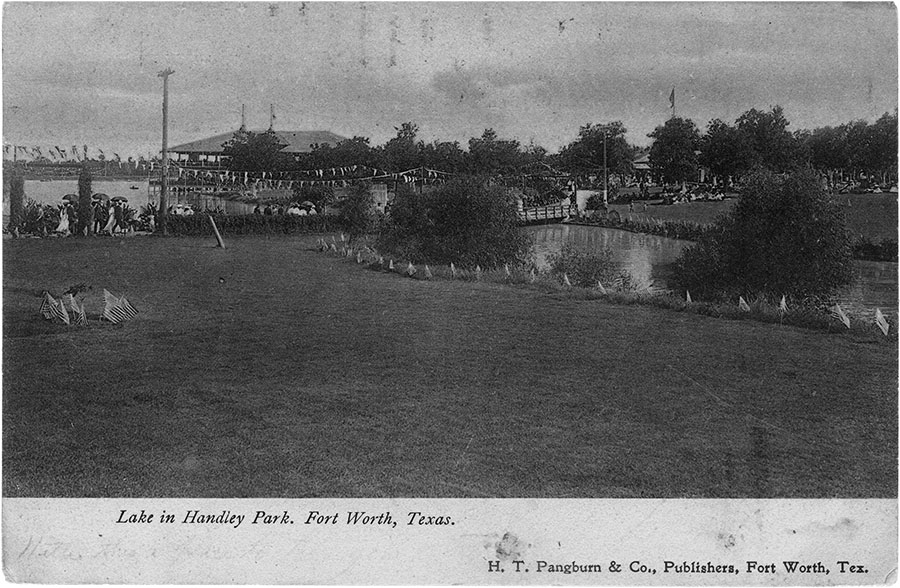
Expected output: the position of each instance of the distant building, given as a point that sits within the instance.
(209, 151)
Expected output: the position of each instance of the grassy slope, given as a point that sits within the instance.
(270, 370)
(871, 215)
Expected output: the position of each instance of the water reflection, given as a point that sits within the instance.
(648, 258)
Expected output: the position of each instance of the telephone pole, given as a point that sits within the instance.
(605, 189)
(164, 183)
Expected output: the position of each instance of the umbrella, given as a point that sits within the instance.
(307, 204)
(71, 197)
(119, 199)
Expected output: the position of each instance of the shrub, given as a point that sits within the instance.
(585, 269)
(38, 219)
(785, 236)
(595, 202)
(466, 221)
(16, 198)
(85, 210)
(358, 212)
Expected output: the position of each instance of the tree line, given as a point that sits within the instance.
(761, 140)
(756, 140)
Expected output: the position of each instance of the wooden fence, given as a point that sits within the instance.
(548, 214)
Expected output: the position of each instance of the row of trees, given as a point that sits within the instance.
(756, 140)
(761, 140)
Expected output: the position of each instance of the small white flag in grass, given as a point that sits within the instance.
(742, 304)
(600, 287)
(342, 237)
(391, 265)
(566, 280)
(687, 297)
(358, 257)
(47, 304)
(410, 269)
(428, 275)
(782, 306)
(838, 313)
(477, 272)
(881, 322)
(532, 276)
(452, 270)
(58, 310)
(506, 269)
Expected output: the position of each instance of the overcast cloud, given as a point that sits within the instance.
(86, 73)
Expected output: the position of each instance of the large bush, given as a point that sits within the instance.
(466, 221)
(784, 237)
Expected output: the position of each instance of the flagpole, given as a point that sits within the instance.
(164, 184)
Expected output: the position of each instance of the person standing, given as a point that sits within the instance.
(72, 216)
(99, 216)
(119, 212)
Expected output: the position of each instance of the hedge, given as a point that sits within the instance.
(863, 248)
(197, 225)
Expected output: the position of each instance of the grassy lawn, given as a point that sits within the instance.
(871, 215)
(268, 369)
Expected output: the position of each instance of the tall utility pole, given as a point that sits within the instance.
(164, 183)
(605, 191)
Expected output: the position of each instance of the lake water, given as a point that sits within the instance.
(52, 191)
(649, 259)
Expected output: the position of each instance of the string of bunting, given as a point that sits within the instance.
(290, 179)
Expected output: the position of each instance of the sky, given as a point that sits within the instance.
(77, 73)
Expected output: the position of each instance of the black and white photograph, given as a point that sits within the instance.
(466, 280)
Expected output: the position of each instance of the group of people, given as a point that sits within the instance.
(108, 217)
(293, 210)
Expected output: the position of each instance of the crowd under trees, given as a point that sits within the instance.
(756, 140)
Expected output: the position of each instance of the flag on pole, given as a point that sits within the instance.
(359, 257)
(566, 280)
(80, 319)
(687, 296)
(838, 313)
(410, 269)
(117, 309)
(58, 310)
(477, 272)
(881, 322)
(428, 275)
(452, 270)
(742, 304)
(391, 265)
(600, 287)
(47, 304)
(506, 269)
(782, 306)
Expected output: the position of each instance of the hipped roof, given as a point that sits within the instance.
(297, 142)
